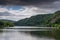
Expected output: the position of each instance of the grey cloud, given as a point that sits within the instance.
(9, 14)
(6, 14)
(45, 6)
(26, 2)
(38, 3)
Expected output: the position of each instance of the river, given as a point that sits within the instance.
(20, 35)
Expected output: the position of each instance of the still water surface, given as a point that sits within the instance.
(19, 35)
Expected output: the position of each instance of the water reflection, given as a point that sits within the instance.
(16, 35)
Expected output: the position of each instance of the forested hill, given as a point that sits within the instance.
(6, 23)
(39, 20)
(55, 17)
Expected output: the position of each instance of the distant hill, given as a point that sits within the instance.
(6, 23)
(6, 20)
(39, 20)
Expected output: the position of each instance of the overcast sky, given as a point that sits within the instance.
(19, 9)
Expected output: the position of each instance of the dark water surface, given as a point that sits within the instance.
(20, 35)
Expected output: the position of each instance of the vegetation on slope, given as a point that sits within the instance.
(38, 20)
(5, 23)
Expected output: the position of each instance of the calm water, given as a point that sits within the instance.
(19, 35)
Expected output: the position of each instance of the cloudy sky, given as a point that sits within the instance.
(19, 9)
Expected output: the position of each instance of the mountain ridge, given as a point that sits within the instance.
(39, 20)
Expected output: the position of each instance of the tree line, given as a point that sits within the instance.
(6, 24)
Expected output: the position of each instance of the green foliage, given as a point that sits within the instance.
(38, 20)
(5, 24)
(41, 20)
(10, 23)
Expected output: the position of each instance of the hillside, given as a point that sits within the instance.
(39, 20)
(6, 23)
(55, 20)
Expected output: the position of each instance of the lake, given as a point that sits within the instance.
(15, 34)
